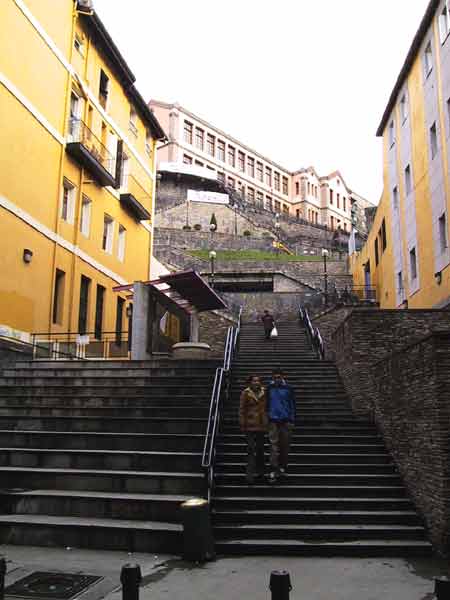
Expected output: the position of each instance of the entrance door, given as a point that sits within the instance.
(84, 303)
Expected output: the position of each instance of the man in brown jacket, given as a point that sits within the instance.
(253, 422)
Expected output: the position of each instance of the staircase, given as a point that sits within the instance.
(101, 454)
(342, 495)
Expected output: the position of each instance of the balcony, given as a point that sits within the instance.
(135, 198)
(88, 150)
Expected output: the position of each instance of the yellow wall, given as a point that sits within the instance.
(430, 294)
(34, 164)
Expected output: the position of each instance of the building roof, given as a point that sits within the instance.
(410, 58)
(123, 71)
(186, 289)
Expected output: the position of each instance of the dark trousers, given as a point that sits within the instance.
(255, 453)
(279, 437)
(267, 331)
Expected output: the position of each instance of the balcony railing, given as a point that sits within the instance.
(136, 198)
(74, 346)
(87, 149)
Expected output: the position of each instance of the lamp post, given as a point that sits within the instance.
(325, 274)
(212, 257)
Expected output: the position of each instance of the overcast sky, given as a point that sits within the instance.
(304, 82)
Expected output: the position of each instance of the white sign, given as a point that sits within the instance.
(211, 197)
(174, 167)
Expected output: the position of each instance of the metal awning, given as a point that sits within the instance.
(185, 289)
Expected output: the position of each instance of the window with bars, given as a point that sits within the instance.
(231, 156)
(285, 186)
(241, 161)
(276, 181)
(188, 132)
(259, 171)
(268, 176)
(221, 150)
(199, 138)
(251, 166)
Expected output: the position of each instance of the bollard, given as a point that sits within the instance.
(442, 588)
(198, 541)
(130, 578)
(280, 585)
(2, 577)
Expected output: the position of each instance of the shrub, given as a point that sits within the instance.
(247, 233)
(187, 228)
(197, 227)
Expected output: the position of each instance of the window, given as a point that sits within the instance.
(75, 114)
(108, 231)
(260, 197)
(338, 201)
(395, 198)
(132, 125)
(383, 236)
(231, 182)
(251, 194)
(68, 202)
(391, 133)
(268, 176)
(413, 264)
(344, 204)
(78, 44)
(103, 91)
(199, 138)
(297, 213)
(286, 209)
(259, 171)
(433, 141)
(408, 180)
(148, 142)
(428, 60)
(276, 181)
(241, 161)
(240, 188)
(231, 156)
(85, 285)
(277, 206)
(331, 196)
(221, 176)
(124, 172)
(99, 301)
(444, 23)
(211, 144)
(221, 150)
(121, 243)
(400, 282)
(297, 188)
(58, 296)
(285, 185)
(85, 220)
(403, 108)
(199, 163)
(188, 132)
(448, 114)
(251, 166)
(187, 160)
(443, 233)
(119, 319)
(308, 188)
(268, 203)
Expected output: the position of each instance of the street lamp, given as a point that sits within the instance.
(212, 257)
(325, 274)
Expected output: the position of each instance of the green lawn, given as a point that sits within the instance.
(253, 255)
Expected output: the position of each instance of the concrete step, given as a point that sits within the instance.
(90, 504)
(294, 479)
(297, 448)
(81, 532)
(350, 468)
(103, 440)
(342, 502)
(298, 461)
(180, 412)
(100, 380)
(234, 435)
(144, 482)
(299, 490)
(105, 401)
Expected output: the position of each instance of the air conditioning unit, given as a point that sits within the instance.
(86, 6)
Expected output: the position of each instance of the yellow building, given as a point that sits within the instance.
(77, 171)
(407, 254)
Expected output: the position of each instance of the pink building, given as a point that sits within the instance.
(303, 194)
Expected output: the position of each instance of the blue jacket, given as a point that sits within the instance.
(280, 402)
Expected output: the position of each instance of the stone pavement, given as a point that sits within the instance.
(168, 578)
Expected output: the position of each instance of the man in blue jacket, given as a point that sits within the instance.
(281, 413)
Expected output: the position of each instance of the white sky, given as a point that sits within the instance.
(304, 82)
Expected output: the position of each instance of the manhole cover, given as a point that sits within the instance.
(58, 586)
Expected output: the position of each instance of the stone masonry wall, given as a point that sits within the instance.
(368, 335)
(327, 322)
(411, 407)
(213, 328)
(283, 305)
(205, 240)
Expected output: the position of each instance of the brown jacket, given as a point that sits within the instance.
(253, 410)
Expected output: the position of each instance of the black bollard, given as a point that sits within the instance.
(130, 578)
(198, 540)
(2, 577)
(280, 585)
(442, 588)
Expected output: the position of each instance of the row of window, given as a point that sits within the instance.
(67, 214)
(218, 148)
(380, 242)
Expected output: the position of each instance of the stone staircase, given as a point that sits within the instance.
(342, 495)
(101, 454)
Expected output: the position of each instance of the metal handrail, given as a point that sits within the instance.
(313, 333)
(220, 378)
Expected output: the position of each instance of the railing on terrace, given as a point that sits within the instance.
(75, 346)
(80, 133)
(221, 387)
(132, 186)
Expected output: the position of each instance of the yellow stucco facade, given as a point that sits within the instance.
(77, 171)
(411, 268)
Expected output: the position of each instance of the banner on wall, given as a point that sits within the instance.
(210, 197)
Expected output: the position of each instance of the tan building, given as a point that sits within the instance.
(303, 194)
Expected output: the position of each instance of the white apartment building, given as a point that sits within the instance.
(302, 194)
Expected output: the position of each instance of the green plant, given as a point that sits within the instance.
(197, 227)
(247, 233)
